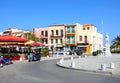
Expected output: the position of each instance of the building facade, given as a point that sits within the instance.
(70, 37)
(16, 32)
(42, 34)
(57, 37)
(89, 39)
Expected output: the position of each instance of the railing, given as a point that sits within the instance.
(70, 42)
(59, 35)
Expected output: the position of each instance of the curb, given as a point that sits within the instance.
(104, 72)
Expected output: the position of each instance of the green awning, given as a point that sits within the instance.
(39, 47)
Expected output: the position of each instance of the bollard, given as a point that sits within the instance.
(72, 64)
(61, 60)
(57, 55)
(47, 57)
(71, 58)
(20, 59)
(1, 65)
(79, 57)
(112, 65)
(103, 67)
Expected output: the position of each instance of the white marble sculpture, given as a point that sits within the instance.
(107, 52)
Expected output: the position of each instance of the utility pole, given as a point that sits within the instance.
(102, 35)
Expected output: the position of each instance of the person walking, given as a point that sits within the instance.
(29, 57)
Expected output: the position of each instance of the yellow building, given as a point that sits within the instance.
(57, 36)
(70, 36)
(89, 39)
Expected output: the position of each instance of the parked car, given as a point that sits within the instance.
(62, 52)
(36, 57)
(67, 52)
(76, 51)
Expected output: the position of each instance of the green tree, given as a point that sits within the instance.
(32, 36)
(45, 51)
(116, 42)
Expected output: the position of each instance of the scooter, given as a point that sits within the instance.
(5, 61)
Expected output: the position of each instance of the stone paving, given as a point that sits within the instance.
(93, 64)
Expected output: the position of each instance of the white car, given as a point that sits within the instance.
(63, 52)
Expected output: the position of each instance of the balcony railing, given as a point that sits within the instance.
(70, 42)
(43, 36)
(59, 35)
(72, 31)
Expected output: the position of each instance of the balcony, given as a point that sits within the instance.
(70, 32)
(59, 35)
(43, 36)
(70, 42)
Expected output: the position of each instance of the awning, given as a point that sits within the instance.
(59, 45)
(11, 38)
(39, 47)
(82, 45)
(29, 42)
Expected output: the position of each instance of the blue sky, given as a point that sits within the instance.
(28, 14)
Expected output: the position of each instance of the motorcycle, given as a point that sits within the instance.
(5, 61)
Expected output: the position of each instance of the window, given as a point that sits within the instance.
(88, 28)
(56, 32)
(51, 41)
(52, 32)
(42, 33)
(73, 39)
(73, 29)
(85, 39)
(46, 33)
(80, 37)
(56, 40)
(61, 41)
(68, 39)
(43, 41)
(46, 41)
(61, 32)
(83, 28)
(68, 29)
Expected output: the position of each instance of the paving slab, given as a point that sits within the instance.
(93, 64)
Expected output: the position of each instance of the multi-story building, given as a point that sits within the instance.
(42, 34)
(71, 36)
(57, 36)
(16, 32)
(89, 39)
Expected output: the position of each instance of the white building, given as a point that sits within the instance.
(15, 31)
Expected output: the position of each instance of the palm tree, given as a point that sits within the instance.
(116, 42)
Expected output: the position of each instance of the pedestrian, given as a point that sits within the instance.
(29, 57)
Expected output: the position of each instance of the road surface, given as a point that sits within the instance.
(48, 72)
